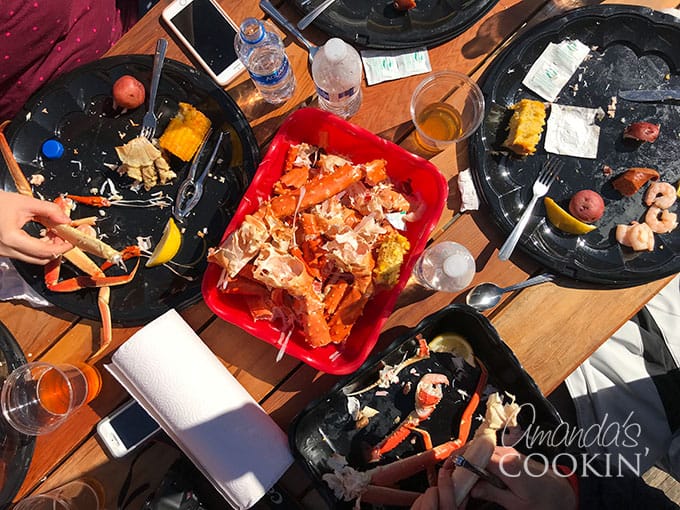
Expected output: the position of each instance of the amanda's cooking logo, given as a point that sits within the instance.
(582, 458)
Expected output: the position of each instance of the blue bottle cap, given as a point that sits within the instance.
(52, 149)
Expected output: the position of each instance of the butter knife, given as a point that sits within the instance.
(650, 96)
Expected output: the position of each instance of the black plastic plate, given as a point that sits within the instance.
(77, 109)
(631, 48)
(379, 25)
(325, 427)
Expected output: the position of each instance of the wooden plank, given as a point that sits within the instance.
(21, 321)
(528, 321)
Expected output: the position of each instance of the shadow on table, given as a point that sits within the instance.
(495, 28)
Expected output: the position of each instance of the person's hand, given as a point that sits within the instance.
(525, 492)
(16, 243)
(440, 497)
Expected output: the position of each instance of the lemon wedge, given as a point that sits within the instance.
(167, 247)
(565, 221)
(454, 343)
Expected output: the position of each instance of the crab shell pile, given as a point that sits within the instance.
(313, 254)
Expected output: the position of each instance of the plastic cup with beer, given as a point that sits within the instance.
(38, 397)
(446, 108)
(75, 495)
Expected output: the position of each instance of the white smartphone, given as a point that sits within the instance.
(208, 34)
(126, 428)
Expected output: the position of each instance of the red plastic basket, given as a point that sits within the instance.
(335, 136)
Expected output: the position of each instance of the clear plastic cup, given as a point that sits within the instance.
(446, 108)
(38, 397)
(445, 266)
(75, 495)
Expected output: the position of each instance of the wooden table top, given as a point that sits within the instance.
(546, 348)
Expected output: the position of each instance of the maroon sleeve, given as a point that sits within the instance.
(40, 39)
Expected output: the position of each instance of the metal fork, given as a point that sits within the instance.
(545, 178)
(313, 14)
(150, 119)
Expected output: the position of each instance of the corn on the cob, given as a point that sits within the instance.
(185, 132)
(526, 126)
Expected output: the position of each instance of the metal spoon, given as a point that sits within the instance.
(267, 7)
(488, 295)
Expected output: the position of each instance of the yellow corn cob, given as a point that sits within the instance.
(185, 132)
(526, 126)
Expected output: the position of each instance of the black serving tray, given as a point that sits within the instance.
(77, 109)
(325, 426)
(16, 449)
(631, 48)
(379, 25)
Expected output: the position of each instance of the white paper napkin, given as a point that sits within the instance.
(203, 408)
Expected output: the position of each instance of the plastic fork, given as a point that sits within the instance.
(548, 174)
(150, 120)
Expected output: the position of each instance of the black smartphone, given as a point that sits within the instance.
(208, 34)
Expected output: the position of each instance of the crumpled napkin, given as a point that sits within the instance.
(13, 287)
(469, 200)
(203, 408)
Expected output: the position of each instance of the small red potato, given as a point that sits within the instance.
(128, 92)
(586, 205)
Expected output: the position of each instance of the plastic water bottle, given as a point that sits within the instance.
(445, 266)
(262, 53)
(336, 71)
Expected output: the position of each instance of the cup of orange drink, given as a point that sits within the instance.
(38, 397)
(446, 107)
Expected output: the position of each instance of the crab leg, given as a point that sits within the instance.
(428, 395)
(316, 191)
(20, 181)
(88, 244)
(95, 277)
(94, 200)
(389, 474)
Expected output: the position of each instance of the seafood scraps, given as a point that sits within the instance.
(314, 253)
(144, 163)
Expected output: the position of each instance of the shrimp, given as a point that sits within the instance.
(661, 195)
(638, 236)
(660, 220)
